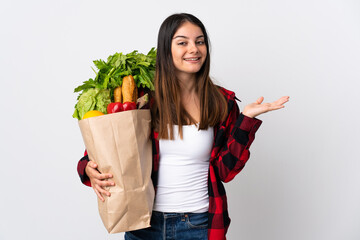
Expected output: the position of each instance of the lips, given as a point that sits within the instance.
(192, 59)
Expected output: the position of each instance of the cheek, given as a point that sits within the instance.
(204, 51)
(173, 53)
(176, 55)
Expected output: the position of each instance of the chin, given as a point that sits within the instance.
(192, 70)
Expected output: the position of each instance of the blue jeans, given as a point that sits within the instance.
(173, 226)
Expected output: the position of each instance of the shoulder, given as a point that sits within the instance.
(232, 107)
(228, 94)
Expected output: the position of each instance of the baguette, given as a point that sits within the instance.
(129, 89)
(117, 94)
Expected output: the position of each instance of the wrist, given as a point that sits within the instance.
(247, 114)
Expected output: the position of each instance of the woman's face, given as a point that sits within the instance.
(188, 50)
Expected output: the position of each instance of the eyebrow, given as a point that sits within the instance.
(180, 36)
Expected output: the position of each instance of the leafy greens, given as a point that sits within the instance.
(110, 75)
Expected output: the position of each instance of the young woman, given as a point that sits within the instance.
(200, 139)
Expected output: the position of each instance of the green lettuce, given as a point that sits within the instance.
(102, 100)
(92, 99)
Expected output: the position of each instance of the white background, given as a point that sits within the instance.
(302, 181)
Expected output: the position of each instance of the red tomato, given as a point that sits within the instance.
(115, 107)
(129, 106)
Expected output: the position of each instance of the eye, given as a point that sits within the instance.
(181, 43)
(200, 42)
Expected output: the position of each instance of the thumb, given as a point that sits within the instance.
(260, 100)
(93, 164)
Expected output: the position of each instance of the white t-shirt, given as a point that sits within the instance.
(183, 171)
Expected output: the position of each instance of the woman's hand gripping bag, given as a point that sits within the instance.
(120, 144)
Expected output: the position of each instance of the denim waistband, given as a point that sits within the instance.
(173, 225)
(171, 214)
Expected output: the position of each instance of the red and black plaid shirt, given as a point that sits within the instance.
(230, 152)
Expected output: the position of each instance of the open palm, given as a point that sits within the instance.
(254, 109)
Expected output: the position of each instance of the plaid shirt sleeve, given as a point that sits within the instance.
(232, 141)
(81, 170)
(230, 152)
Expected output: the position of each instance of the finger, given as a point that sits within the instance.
(92, 164)
(102, 191)
(103, 183)
(260, 100)
(90, 171)
(94, 173)
(99, 195)
(283, 100)
(277, 107)
(280, 101)
(103, 176)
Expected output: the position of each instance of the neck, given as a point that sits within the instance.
(187, 83)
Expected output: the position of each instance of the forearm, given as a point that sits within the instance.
(235, 152)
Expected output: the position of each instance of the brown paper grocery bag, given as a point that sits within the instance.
(120, 144)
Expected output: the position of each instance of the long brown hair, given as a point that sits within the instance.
(167, 109)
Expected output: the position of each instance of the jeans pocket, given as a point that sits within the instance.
(197, 220)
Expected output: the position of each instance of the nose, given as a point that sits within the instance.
(193, 48)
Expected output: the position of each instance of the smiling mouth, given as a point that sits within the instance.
(192, 59)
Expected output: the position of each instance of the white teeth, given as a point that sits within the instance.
(191, 59)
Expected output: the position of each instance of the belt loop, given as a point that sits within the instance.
(183, 215)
